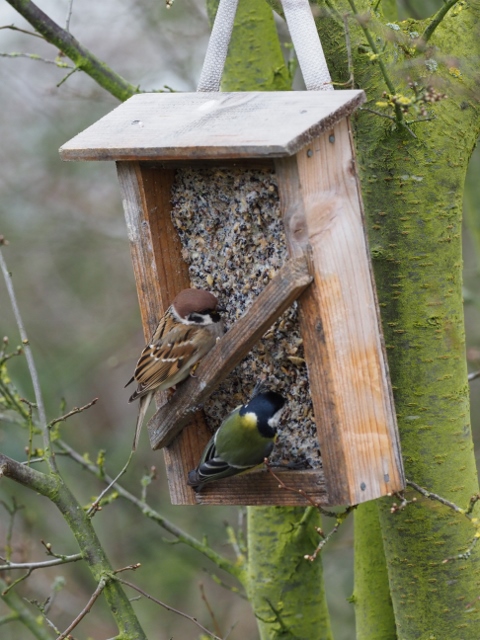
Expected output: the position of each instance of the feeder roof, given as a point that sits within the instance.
(200, 126)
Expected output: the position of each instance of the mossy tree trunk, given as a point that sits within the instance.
(412, 181)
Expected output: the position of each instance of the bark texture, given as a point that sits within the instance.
(412, 190)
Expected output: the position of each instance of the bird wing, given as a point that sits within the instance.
(166, 359)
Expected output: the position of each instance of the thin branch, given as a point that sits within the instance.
(31, 366)
(69, 15)
(282, 485)
(80, 55)
(59, 84)
(40, 565)
(351, 78)
(147, 511)
(95, 505)
(383, 68)
(473, 376)
(34, 56)
(226, 586)
(23, 613)
(210, 610)
(100, 587)
(28, 33)
(74, 411)
(325, 538)
(167, 607)
(437, 18)
(434, 496)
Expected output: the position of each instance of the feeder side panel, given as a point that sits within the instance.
(344, 349)
(160, 274)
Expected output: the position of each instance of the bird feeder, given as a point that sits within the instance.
(304, 140)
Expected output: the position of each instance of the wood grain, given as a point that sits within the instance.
(160, 273)
(260, 488)
(195, 126)
(340, 322)
(285, 287)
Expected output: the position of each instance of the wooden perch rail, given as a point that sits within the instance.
(291, 280)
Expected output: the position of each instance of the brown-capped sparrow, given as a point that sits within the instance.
(188, 330)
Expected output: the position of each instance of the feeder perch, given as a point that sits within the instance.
(305, 138)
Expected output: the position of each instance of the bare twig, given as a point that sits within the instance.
(233, 541)
(40, 565)
(166, 606)
(473, 375)
(437, 18)
(12, 511)
(282, 485)
(69, 15)
(341, 517)
(466, 554)
(351, 78)
(31, 366)
(74, 70)
(28, 33)
(466, 512)
(434, 496)
(74, 411)
(34, 56)
(100, 587)
(80, 55)
(146, 510)
(210, 610)
(23, 614)
(383, 68)
(95, 505)
(226, 586)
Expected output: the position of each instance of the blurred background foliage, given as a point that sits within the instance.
(69, 257)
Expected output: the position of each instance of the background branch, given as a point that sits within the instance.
(50, 457)
(80, 55)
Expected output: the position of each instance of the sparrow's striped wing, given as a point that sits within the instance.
(166, 362)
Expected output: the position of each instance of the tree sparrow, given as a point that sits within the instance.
(187, 331)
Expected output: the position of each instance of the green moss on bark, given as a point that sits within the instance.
(285, 590)
(374, 619)
(412, 189)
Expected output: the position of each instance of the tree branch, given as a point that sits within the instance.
(146, 510)
(44, 484)
(41, 565)
(100, 587)
(166, 606)
(437, 18)
(80, 55)
(50, 456)
(22, 613)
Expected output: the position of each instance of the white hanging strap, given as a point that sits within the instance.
(307, 45)
(302, 31)
(218, 46)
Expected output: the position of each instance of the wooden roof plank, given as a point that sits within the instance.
(179, 126)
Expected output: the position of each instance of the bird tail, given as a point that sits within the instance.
(142, 410)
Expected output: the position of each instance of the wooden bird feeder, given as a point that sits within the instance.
(305, 138)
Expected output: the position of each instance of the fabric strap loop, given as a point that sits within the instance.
(304, 37)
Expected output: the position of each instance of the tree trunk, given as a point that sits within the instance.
(412, 189)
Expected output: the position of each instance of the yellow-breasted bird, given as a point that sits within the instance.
(242, 441)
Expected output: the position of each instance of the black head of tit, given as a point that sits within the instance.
(243, 440)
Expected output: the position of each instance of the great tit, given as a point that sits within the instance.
(242, 441)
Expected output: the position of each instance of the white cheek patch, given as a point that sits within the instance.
(275, 419)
